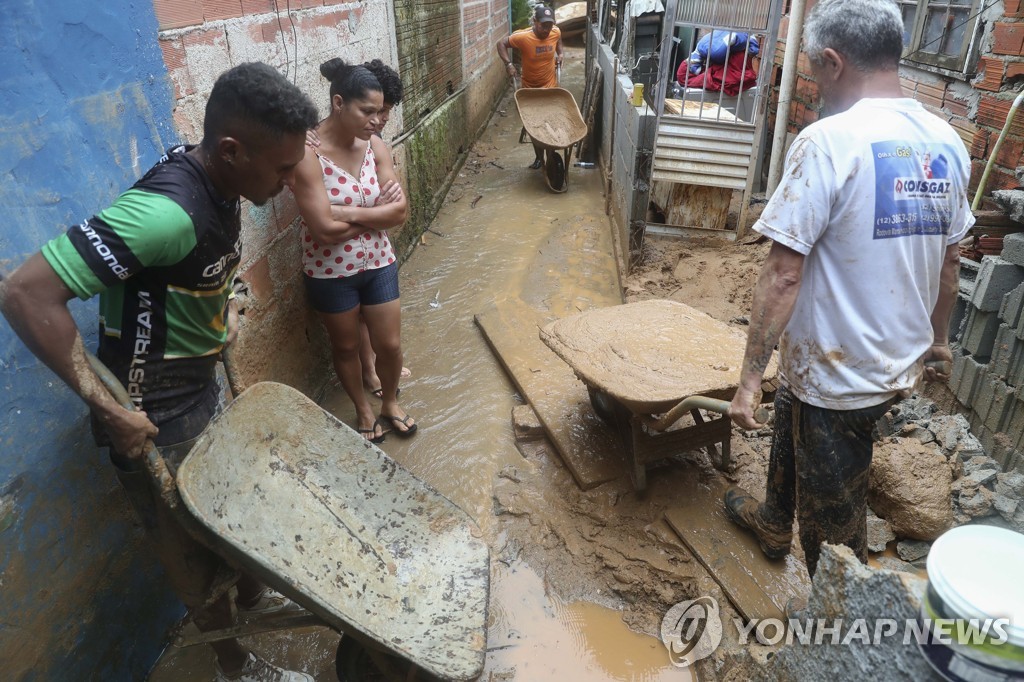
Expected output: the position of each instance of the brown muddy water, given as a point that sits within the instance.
(504, 235)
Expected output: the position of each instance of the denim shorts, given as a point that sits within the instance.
(341, 294)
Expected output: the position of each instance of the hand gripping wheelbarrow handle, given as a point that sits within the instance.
(704, 403)
(161, 477)
(760, 414)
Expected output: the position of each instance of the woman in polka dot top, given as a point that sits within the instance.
(348, 197)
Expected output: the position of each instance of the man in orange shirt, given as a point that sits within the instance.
(540, 49)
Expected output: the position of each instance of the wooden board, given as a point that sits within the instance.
(589, 448)
(693, 205)
(757, 586)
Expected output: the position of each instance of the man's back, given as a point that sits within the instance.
(872, 197)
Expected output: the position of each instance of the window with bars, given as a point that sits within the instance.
(939, 32)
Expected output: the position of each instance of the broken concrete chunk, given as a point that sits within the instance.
(969, 447)
(1005, 506)
(979, 462)
(912, 550)
(980, 504)
(893, 564)
(1010, 484)
(526, 423)
(950, 430)
(879, 533)
(982, 476)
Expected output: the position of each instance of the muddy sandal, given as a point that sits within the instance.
(409, 428)
(376, 439)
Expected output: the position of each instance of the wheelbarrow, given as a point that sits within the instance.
(283, 490)
(554, 123)
(661, 374)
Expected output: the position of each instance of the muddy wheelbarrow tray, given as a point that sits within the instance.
(553, 121)
(652, 358)
(303, 502)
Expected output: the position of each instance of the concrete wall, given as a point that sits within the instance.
(86, 109)
(93, 93)
(626, 131)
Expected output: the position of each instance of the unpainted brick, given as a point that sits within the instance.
(1003, 399)
(969, 275)
(1002, 350)
(973, 372)
(1013, 304)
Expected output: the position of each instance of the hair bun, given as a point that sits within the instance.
(333, 68)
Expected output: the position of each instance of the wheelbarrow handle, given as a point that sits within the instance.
(940, 366)
(154, 461)
(704, 403)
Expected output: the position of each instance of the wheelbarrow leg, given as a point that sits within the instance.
(720, 462)
(522, 135)
(638, 467)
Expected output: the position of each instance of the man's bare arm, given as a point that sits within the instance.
(34, 301)
(949, 285)
(774, 298)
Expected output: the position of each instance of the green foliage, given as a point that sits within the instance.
(520, 14)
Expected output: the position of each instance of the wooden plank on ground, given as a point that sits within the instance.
(757, 587)
(589, 448)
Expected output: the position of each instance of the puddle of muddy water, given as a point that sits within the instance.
(535, 636)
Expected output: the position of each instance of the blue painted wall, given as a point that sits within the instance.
(86, 108)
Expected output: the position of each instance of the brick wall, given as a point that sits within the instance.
(438, 46)
(976, 108)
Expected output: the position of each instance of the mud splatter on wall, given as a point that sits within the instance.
(86, 109)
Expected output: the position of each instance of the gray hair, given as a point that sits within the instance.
(869, 33)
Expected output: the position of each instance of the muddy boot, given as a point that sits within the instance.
(747, 512)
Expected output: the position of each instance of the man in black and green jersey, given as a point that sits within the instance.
(162, 258)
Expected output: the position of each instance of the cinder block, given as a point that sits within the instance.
(996, 278)
(957, 375)
(1015, 462)
(1012, 306)
(974, 372)
(984, 394)
(968, 276)
(998, 416)
(957, 316)
(1015, 421)
(1013, 248)
(986, 437)
(980, 332)
(1003, 349)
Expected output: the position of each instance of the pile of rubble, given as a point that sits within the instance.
(929, 474)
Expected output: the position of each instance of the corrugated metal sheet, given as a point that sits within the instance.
(695, 152)
(741, 15)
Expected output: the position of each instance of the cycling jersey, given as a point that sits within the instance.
(162, 257)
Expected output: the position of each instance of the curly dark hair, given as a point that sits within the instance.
(257, 94)
(390, 81)
(351, 81)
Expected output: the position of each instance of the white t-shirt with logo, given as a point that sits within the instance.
(872, 197)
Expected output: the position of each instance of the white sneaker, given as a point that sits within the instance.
(270, 601)
(258, 670)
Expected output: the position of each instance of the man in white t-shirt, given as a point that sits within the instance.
(859, 283)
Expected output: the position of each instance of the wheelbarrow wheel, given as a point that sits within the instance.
(603, 406)
(357, 663)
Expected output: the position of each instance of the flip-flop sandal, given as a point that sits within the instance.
(379, 393)
(409, 428)
(379, 439)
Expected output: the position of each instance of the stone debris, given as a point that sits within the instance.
(912, 550)
(880, 533)
(918, 453)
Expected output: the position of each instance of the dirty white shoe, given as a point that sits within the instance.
(270, 601)
(258, 670)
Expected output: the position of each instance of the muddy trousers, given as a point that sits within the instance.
(191, 568)
(818, 474)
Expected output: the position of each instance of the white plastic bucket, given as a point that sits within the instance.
(975, 601)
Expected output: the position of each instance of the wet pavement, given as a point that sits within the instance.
(500, 234)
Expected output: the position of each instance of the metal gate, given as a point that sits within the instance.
(707, 138)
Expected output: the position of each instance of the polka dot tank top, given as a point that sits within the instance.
(369, 250)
